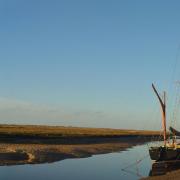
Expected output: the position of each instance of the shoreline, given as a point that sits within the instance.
(173, 175)
(18, 154)
(45, 144)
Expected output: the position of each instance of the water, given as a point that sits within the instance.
(106, 167)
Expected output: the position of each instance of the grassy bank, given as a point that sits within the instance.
(60, 131)
(67, 135)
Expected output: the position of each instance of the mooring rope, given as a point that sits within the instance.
(135, 164)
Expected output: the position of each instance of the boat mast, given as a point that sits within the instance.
(163, 110)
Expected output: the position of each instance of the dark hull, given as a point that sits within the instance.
(164, 153)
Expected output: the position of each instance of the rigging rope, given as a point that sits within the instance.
(176, 106)
(174, 101)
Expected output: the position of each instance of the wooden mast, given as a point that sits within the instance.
(163, 110)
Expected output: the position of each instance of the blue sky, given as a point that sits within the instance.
(87, 63)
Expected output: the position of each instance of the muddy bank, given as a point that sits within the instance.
(173, 175)
(14, 154)
(164, 170)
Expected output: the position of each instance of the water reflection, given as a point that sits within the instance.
(104, 166)
(130, 164)
(161, 168)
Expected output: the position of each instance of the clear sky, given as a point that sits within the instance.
(86, 63)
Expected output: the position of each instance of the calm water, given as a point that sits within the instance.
(97, 167)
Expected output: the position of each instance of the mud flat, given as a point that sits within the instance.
(14, 154)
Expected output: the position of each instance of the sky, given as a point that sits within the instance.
(87, 63)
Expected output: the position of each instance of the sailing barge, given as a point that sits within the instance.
(170, 151)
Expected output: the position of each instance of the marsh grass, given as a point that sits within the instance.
(61, 131)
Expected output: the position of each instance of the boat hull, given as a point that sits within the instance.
(164, 153)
